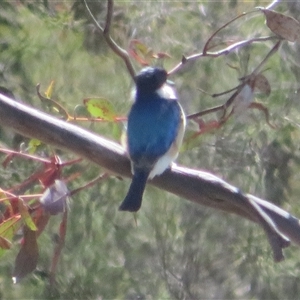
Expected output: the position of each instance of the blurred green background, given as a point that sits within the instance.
(174, 249)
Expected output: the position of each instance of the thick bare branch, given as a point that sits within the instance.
(194, 185)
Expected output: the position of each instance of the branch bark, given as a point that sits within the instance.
(194, 185)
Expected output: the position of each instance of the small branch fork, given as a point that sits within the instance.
(106, 33)
(246, 80)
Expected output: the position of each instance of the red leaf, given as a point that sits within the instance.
(4, 243)
(41, 220)
(140, 52)
(51, 173)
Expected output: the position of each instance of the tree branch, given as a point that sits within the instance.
(106, 33)
(194, 185)
(225, 51)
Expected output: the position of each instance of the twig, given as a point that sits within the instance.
(89, 184)
(205, 48)
(224, 51)
(106, 33)
(205, 112)
(109, 16)
(55, 104)
(220, 107)
(270, 53)
(246, 80)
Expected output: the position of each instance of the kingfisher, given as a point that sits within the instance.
(155, 129)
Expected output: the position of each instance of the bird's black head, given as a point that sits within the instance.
(150, 79)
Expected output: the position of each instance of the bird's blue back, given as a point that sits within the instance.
(153, 124)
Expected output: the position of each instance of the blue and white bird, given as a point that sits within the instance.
(155, 130)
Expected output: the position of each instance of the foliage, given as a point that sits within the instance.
(173, 249)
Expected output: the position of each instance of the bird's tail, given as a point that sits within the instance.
(133, 199)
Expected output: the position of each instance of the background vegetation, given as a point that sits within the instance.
(175, 249)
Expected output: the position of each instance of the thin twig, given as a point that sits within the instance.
(109, 16)
(92, 16)
(271, 52)
(205, 112)
(244, 43)
(246, 80)
(106, 33)
(224, 51)
(205, 48)
(89, 184)
(220, 107)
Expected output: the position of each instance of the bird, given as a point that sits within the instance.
(155, 130)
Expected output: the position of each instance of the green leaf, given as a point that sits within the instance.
(49, 90)
(100, 108)
(8, 229)
(26, 216)
(33, 145)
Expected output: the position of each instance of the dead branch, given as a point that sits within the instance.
(194, 185)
